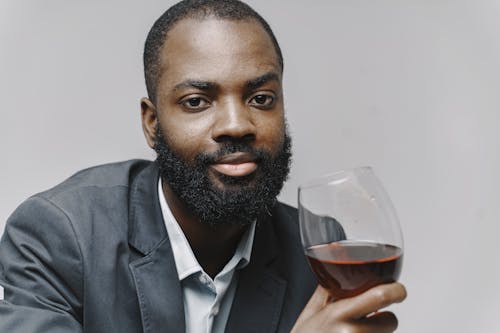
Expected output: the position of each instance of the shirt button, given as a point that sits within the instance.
(203, 279)
(215, 310)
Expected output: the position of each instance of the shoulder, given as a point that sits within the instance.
(285, 218)
(94, 199)
(283, 210)
(286, 229)
(106, 176)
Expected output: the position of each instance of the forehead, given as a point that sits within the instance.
(217, 50)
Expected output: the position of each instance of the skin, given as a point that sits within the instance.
(221, 80)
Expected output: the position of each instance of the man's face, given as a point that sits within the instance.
(219, 129)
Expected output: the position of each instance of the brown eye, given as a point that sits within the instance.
(262, 101)
(195, 103)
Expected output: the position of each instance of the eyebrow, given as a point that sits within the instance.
(261, 80)
(198, 84)
(208, 85)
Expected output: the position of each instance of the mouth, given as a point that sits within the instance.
(236, 164)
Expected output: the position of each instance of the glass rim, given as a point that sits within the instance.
(327, 178)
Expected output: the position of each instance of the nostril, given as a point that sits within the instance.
(249, 137)
(222, 138)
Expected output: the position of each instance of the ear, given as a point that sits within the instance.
(149, 120)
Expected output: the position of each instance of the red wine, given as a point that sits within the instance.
(348, 268)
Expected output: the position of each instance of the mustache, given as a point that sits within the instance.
(231, 147)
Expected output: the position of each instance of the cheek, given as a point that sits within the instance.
(185, 138)
(272, 132)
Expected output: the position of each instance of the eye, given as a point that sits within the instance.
(263, 101)
(195, 103)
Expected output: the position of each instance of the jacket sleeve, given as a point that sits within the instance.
(41, 271)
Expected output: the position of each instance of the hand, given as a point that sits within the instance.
(358, 314)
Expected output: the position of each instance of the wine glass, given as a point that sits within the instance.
(350, 232)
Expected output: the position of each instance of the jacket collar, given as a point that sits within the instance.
(157, 285)
(146, 226)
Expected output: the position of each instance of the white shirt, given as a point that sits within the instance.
(207, 302)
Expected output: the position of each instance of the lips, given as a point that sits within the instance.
(236, 164)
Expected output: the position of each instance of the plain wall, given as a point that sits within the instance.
(408, 87)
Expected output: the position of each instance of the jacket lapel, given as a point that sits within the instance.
(155, 275)
(159, 291)
(261, 290)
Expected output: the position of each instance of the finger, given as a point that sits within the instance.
(368, 302)
(380, 322)
(317, 301)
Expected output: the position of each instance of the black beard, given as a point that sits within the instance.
(243, 200)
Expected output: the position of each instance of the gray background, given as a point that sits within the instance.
(408, 87)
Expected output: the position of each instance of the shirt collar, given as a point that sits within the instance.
(185, 260)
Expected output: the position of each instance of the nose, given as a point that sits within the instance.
(233, 121)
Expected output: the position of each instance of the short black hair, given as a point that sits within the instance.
(197, 9)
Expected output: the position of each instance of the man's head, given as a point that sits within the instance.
(215, 115)
(196, 9)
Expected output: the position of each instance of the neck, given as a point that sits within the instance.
(213, 246)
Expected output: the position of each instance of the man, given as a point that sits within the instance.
(195, 241)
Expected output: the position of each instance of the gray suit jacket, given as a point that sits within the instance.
(92, 255)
